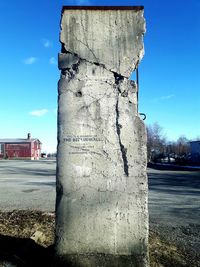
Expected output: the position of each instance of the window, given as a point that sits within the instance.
(1, 148)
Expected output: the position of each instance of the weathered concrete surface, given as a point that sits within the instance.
(101, 205)
(113, 38)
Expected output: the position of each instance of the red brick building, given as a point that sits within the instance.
(29, 148)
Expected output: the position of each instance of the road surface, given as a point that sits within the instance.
(174, 196)
(27, 185)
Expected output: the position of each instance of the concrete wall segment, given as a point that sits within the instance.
(101, 206)
(85, 32)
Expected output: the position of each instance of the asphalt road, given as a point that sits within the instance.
(27, 185)
(174, 196)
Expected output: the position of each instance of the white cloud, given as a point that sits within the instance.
(46, 43)
(30, 60)
(166, 97)
(39, 112)
(53, 61)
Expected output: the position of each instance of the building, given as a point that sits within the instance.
(29, 148)
(195, 151)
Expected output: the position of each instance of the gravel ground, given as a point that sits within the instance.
(186, 240)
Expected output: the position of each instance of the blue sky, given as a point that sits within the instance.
(169, 72)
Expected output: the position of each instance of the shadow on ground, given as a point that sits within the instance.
(21, 252)
(175, 182)
(24, 252)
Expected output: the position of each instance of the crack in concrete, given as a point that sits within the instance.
(118, 127)
(64, 51)
(85, 36)
(71, 72)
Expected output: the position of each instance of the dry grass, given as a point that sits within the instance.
(163, 253)
(24, 224)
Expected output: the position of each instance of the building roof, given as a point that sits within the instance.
(18, 140)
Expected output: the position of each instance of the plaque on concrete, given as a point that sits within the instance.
(101, 205)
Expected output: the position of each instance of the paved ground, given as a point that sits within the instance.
(174, 196)
(174, 208)
(27, 185)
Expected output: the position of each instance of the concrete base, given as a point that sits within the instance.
(100, 260)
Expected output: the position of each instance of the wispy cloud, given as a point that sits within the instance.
(83, 2)
(53, 61)
(166, 97)
(163, 98)
(46, 43)
(39, 112)
(30, 60)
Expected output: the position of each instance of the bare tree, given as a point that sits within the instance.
(158, 148)
(156, 142)
(182, 146)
